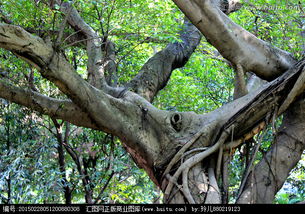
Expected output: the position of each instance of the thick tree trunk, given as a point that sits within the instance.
(270, 174)
(231, 128)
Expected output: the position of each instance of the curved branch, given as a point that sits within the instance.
(257, 105)
(59, 109)
(95, 66)
(156, 72)
(235, 43)
(54, 67)
(213, 195)
(121, 116)
(101, 64)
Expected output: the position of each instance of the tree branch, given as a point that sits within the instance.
(109, 62)
(271, 172)
(122, 116)
(54, 67)
(95, 66)
(235, 43)
(59, 109)
(156, 72)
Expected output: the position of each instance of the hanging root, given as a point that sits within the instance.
(182, 151)
(219, 161)
(185, 189)
(225, 176)
(249, 167)
(189, 163)
(202, 153)
(213, 196)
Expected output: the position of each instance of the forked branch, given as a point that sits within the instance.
(95, 65)
(235, 43)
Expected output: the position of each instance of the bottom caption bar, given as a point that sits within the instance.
(154, 208)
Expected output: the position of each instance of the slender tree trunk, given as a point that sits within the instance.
(8, 147)
(61, 162)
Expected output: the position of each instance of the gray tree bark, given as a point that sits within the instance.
(270, 174)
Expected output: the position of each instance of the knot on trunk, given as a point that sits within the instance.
(176, 121)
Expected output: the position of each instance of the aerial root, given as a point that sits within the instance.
(219, 161)
(186, 189)
(182, 151)
(189, 163)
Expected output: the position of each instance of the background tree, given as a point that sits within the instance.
(87, 65)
